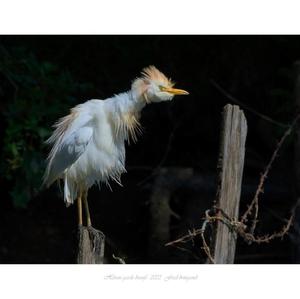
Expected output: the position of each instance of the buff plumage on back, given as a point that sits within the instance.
(66, 149)
(61, 127)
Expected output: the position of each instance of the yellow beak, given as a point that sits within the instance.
(174, 91)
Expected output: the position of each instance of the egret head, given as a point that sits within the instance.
(154, 86)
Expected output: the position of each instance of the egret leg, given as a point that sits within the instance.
(79, 205)
(87, 211)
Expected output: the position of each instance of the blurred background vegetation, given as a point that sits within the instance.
(42, 77)
(34, 92)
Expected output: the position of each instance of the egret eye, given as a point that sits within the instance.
(162, 88)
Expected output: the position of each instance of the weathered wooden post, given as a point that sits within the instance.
(91, 246)
(231, 164)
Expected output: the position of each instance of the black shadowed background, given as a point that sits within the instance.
(42, 77)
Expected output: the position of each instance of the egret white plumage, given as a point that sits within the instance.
(89, 143)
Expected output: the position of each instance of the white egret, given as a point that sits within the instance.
(88, 145)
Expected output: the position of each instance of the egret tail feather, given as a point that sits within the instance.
(70, 191)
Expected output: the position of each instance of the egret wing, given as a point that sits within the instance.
(71, 137)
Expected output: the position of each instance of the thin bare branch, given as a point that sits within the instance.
(254, 203)
(163, 159)
(119, 259)
(234, 100)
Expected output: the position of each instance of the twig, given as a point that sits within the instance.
(163, 159)
(233, 99)
(254, 203)
(119, 259)
(186, 238)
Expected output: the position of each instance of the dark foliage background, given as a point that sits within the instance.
(42, 77)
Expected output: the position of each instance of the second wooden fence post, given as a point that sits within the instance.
(231, 164)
